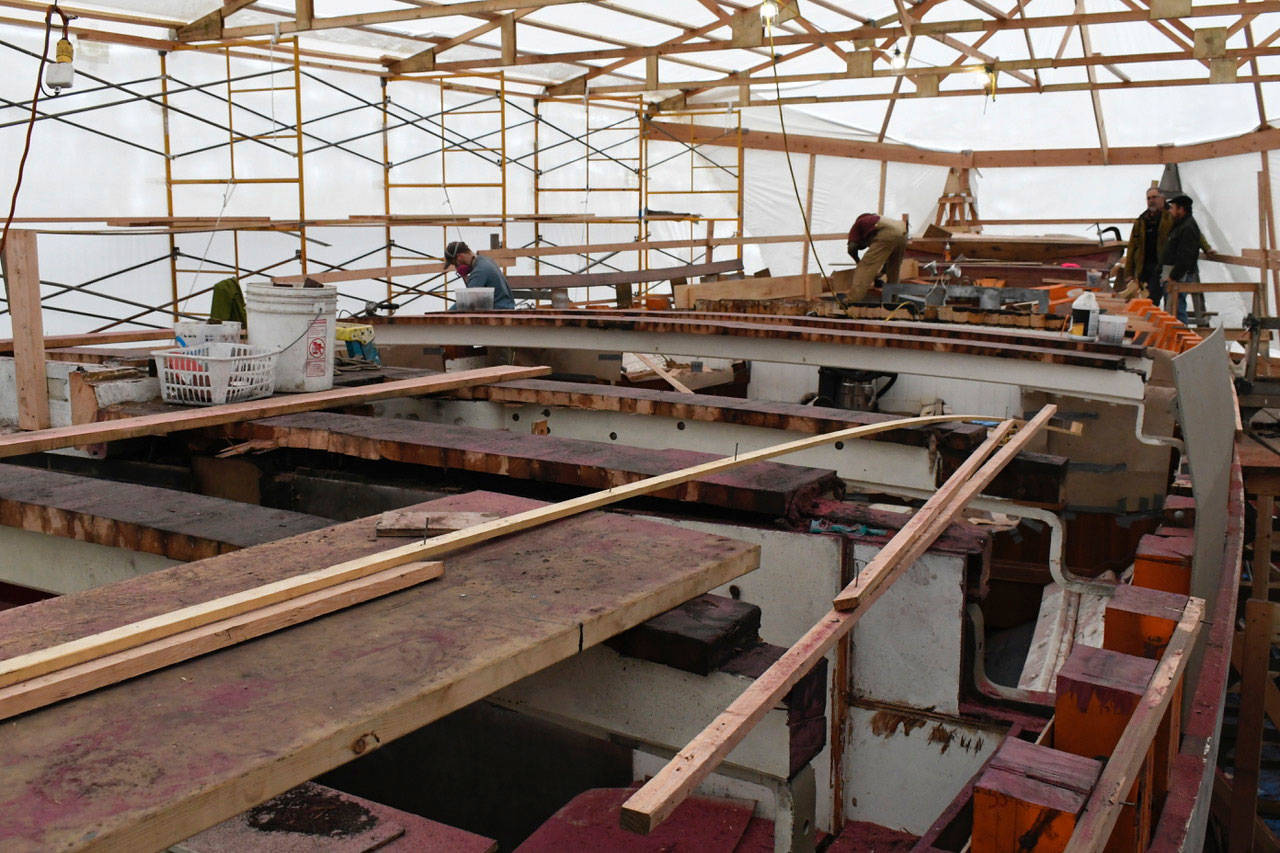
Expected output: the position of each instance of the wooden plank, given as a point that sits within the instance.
(962, 341)
(66, 654)
(1093, 829)
(664, 373)
(910, 543)
(177, 525)
(1259, 616)
(165, 651)
(1262, 548)
(404, 522)
(95, 339)
(649, 806)
(22, 289)
(184, 419)
(779, 287)
(252, 720)
(766, 488)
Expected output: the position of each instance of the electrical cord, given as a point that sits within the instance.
(31, 121)
(786, 148)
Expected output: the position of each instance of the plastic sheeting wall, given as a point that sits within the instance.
(73, 172)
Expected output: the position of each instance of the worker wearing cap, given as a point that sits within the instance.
(885, 241)
(1180, 259)
(478, 271)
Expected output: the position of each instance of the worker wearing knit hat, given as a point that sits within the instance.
(885, 241)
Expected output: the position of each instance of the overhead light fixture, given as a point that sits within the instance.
(769, 11)
(899, 59)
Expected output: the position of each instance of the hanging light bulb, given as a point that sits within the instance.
(768, 11)
(899, 59)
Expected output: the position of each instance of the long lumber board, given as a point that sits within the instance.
(131, 662)
(749, 326)
(144, 763)
(56, 438)
(650, 805)
(41, 661)
(95, 339)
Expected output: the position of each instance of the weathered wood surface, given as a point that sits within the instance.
(142, 764)
(95, 339)
(792, 417)
(101, 666)
(766, 487)
(183, 418)
(896, 335)
(404, 522)
(177, 525)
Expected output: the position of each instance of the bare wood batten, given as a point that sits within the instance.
(655, 801)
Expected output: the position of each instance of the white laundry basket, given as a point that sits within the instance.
(299, 322)
(192, 333)
(215, 373)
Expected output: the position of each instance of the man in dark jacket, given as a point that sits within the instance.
(1179, 261)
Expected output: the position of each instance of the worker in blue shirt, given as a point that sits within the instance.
(478, 271)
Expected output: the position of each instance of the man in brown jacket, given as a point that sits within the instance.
(885, 241)
(1146, 244)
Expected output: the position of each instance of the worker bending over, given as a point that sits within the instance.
(885, 241)
(478, 271)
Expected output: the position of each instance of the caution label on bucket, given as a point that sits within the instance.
(317, 348)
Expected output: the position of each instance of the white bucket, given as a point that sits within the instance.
(475, 299)
(300, 322)
(1111, 328)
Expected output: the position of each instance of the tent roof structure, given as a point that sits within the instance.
(1111, 72)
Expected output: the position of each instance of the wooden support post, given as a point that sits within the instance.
(1253, 679)
(809, 290)
(1262, 548)
(22, 289)
(508, 36)
(1098, 691)
(1141, 622)
(1267, 238)
(1028, 797)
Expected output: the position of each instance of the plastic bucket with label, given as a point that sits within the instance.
(299, 322)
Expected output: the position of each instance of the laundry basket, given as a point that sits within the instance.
(214, 373)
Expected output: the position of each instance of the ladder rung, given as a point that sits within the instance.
(456, 148)
(693, 192)
(442, 186)
(264, 89)
(243, 138)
